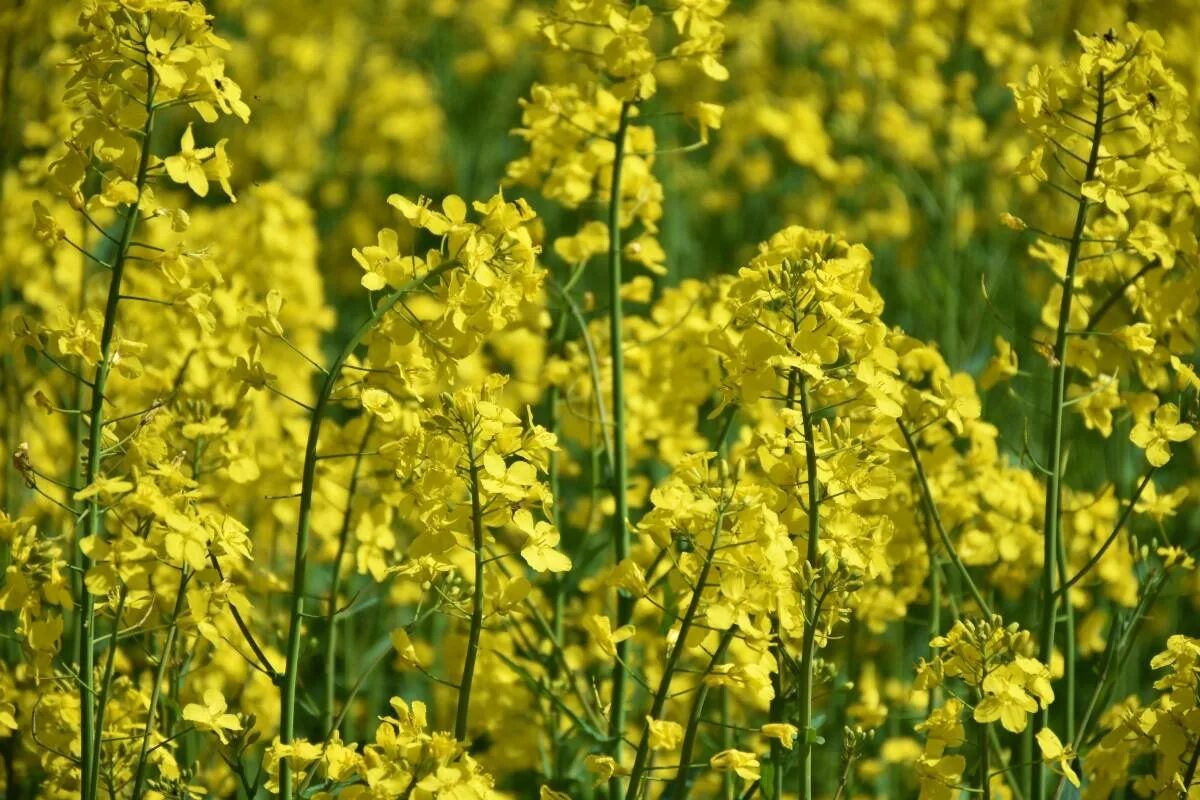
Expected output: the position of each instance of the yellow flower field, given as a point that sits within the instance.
(599, 399)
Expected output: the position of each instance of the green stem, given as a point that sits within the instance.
(1026, 759)
(620, 530)
(287, 715)
(468, 675)
(1114, 665)
(105, 686)
(1069, 640)
(1112, 537)
(931, 509)
(728, 789)
(935, 605)
(89, 769)
(664, 684)
(336, 584)
(985, 782)
(12, 404)
(160, 672)
(777, 710)
(679, 787)
(1054, 431)
(804, 787)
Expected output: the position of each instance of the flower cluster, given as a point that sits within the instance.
(325, 479)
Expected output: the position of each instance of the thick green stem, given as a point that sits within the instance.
(89, 768)
(335, 586)
(1054, 431)
(287, 715)
(74, 474)
(985, 780)
(620, 523)
(777, 711)
(105, 686)
(12, 419)
(664, 684)
(804, 781)
(728, 788)
(1069, 644)
(462, 715)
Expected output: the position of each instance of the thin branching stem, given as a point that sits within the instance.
(641, 759)
(679, 787)
(308, 479)
(1054, 430)
(335, 585)
(86, 664)
(936, 517)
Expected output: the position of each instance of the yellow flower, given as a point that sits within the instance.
(744, 764)
(1155, 437)
(1001, 367)
(1005, 700)
(785, 733)
(1010, 221)
(1058, 757)
(211, 716)
(404, 647)
(603, 768)
(604, 636)
(539, 551)
(187, 166)
(664, 734)
(105, 489)
(939, 775)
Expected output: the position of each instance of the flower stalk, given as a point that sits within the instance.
(86, 661)
(804, 755)
(291, 674)
(462, 714)
(1054, 431)
(641, 759)
(619, 476)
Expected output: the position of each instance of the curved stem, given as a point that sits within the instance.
(468, 675)
(159, 674)
(287, 715)
(935, 605)
(664, 684)
(620, 524)
(1054, 431)
(336, 584)
(679, 787)
(89, 769)
(1112, 537)
(931, 509)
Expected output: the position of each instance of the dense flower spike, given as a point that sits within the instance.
(332, 470)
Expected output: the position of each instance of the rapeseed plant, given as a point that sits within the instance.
(599, 399)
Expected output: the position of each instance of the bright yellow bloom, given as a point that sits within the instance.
(1155, 436)
(211, 716)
